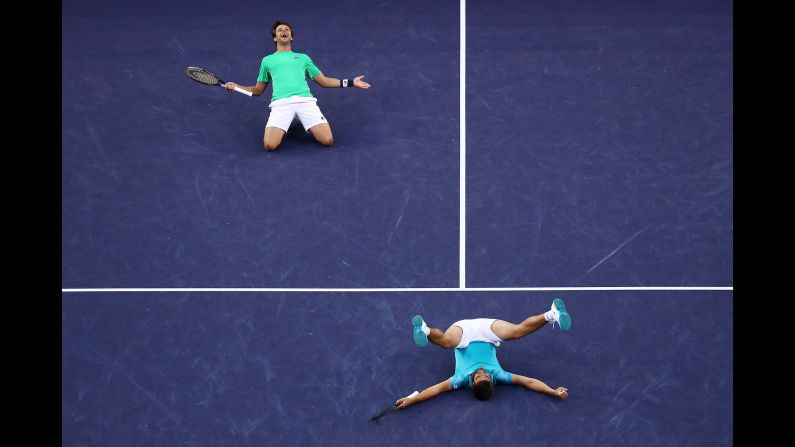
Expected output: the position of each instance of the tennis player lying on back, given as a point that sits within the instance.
(475, 342)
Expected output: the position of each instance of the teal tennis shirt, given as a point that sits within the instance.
(469, 359)
(288, 72)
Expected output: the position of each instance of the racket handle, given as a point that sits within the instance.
(245, 92)
(413, 394)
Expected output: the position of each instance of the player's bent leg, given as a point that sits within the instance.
(322, 133)
(423, 333)
(273, 138)
(448, 339)
(510, 331)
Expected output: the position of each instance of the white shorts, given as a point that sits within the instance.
(478, 329)
(283, 112)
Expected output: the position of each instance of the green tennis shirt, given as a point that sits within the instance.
(288, 72)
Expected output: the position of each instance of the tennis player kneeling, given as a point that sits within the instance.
(475, 343)
(291, 95)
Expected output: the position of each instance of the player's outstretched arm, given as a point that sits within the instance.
(327, 82)
(540, 387)
(255, 89)
(427, 393)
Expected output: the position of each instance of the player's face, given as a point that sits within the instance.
(283, 34)
(480, 376)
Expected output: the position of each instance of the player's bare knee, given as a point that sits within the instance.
(448, 343)
(271, 146)
(326, 141)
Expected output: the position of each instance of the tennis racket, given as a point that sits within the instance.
(389, 409)
(203, 76)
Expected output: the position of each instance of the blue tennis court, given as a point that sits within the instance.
(218, 294)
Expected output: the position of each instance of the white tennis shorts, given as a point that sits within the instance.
(284, 110)
(478, 329)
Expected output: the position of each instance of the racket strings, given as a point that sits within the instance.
(203, 77)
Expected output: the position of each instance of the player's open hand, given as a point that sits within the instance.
(561, 393)
(358, 82)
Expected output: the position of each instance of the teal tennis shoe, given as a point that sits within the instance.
(560, 314)
(420, 339)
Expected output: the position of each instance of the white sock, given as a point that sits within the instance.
(549, 315)
(425, 328)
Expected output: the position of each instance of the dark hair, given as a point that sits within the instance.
(281, 22)
(483, 389)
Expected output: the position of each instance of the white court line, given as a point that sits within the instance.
(462, 153)
(407, 289)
